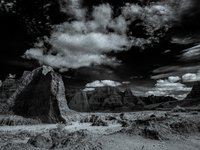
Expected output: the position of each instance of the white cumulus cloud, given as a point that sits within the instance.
(173, 79)
(191, 77)
(170, 87)
(102, 83)
(85, 41)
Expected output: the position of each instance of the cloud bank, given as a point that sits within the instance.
(87, 39)
(171, 86)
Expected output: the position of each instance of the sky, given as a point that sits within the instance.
(151, 47)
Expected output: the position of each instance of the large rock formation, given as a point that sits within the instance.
(128, 98)
(105, 96)
(79, 102)
(113, 100)
(195, 92)
(42, 95)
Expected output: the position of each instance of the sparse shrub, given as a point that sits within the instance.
(86, 119)
(60, 126)
(167, 114)
(16, 146)
(56, 138)
(194, 113)
(122, 116)
(126, 123)
(178, 109)
(184, 126)
(151, 133)
(110, 118)
(12, 120)
(99, 122)
(152, 116)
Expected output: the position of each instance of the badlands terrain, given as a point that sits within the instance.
(144, 130)
(37, 112)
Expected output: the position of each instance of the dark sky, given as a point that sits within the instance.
(149, 46)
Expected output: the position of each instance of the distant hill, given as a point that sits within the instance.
(195, 92)
(101, 99)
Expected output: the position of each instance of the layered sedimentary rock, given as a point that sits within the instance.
(104, 96)
(8, 88)
(113, 100)
(140, 102)
(41, 94)
(10, 85)
(195, 92)
(79, 102)
(156, 99)
(69, 93)
(128, 98)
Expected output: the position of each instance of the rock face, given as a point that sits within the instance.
(114, 100)
(42, 95)
(157, 99)
(105, 97)
(128, 98)
(140, 102)
(10, 85)
(8, 88)
(79, 102)
(195, 92)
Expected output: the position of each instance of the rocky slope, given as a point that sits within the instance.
(8, 88)
(112, 99)
(128, 98)
(10, 85)
(41, 95)
(79, 102)
(102, 97)
(157, 99)
(195, 92)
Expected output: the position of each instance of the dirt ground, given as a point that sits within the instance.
(110, 137)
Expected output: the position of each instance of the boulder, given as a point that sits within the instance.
(79, 102)
(41, 94)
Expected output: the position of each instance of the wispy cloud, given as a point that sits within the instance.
(126, 82)
(176, 70)
(191, 54)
